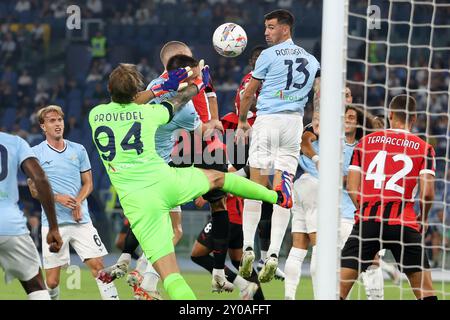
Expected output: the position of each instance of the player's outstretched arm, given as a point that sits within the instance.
(173, 83)
(214, 123)
(316, 101)
(353, 184)
(307, 149)
(144, 97)
(183, 97)
(86, 189)
(426, 197)
(306, 145)
(195, 86)
(248, 98)
(34, 171)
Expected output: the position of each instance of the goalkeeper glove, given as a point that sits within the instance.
(173, 83)
(203, 81)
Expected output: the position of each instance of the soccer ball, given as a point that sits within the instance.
(229, 40)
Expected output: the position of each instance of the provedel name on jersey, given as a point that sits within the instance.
(118, 116)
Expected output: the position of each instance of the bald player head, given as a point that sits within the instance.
(173, 48)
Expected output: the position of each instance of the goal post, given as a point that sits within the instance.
(330, 144)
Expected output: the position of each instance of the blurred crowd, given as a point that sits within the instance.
(39, 64)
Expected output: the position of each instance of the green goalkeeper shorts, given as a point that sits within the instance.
(147, 210)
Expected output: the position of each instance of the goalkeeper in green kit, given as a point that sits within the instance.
(124, 133)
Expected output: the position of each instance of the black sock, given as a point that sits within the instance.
(207, 262)
(135, 256)
(230, 274)
(131, 243)
(235, 264)
(253, 278)
(266, 211)
(264, 234)
(220, 227)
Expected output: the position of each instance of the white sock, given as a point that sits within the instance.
(263, 255)
(250, 220)
(280, 221)
(108, 291)
(125, 257)
(219, 272)
(141, 264)
(240, 282)
(374, 283)
(241, 173)
(54, 293)
(149, 269)
(293, 271)
(389, 268)
(313, 270)
(39, 295)
(151, 279)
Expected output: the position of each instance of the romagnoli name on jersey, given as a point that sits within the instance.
(118, 116)
(288, 52)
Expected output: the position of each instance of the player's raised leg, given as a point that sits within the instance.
(244, 188)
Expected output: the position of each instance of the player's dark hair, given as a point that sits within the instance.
(283, 17)
(181, 61)
(124, 83)
(362, 122)
(403, 106)
(256, 49)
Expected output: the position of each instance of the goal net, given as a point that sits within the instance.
(403, 47)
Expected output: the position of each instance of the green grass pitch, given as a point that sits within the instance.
(200, 283)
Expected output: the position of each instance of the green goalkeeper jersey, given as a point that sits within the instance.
(124, 135)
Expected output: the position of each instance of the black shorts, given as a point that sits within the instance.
(125, 226)
(206, 158)
(235, 236)
(369, 237)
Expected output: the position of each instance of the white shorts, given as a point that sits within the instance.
(82, 237)
(275, 142)
(304, 209)
(19, 257)
(176, 209)
(346, 229)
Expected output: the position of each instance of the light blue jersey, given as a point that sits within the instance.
(186, 118)
(347, 206)
(64, 168)
(13, 151)
(305, 162)
(288, 74)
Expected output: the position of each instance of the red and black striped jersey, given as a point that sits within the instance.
(201, 102)
(235, 207)
(390, 162)
(240, 92)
